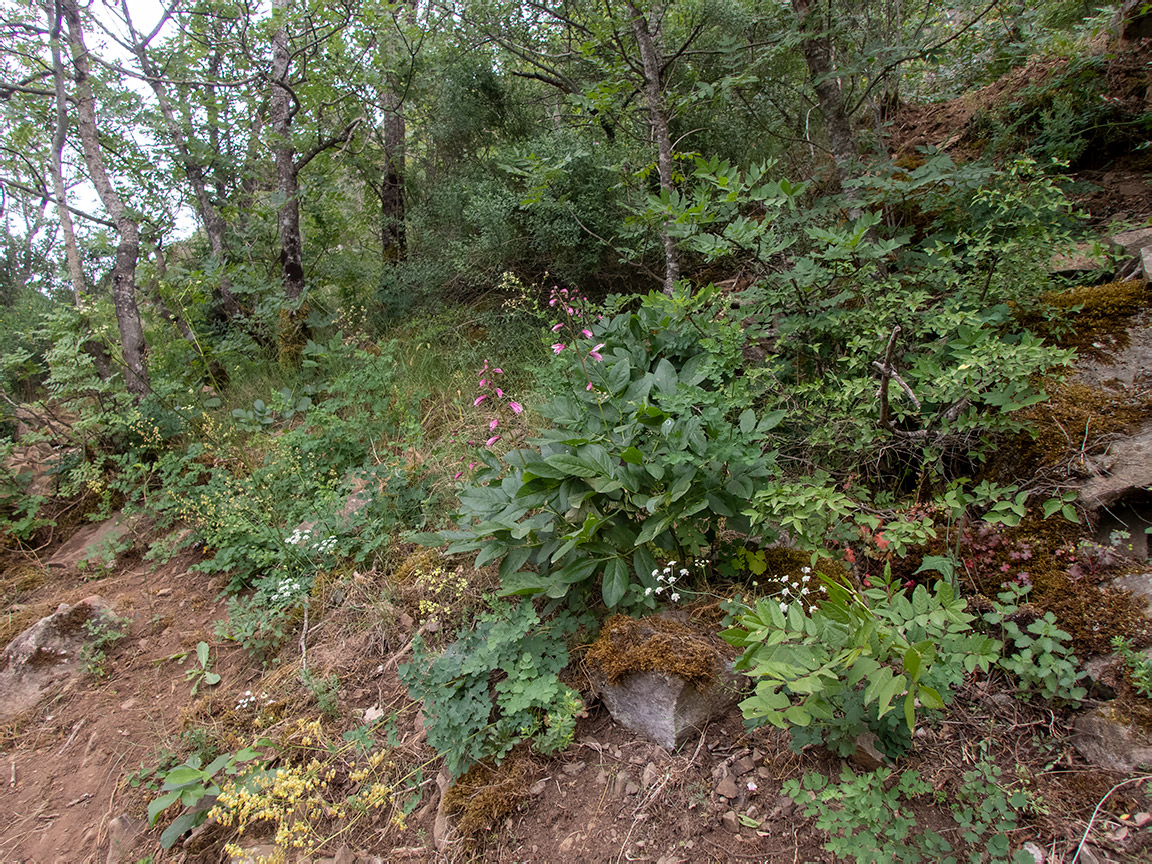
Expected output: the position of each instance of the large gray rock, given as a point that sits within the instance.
(665, 709)
(1106, 740)
(45, 655)
(1127, 470)
(634, 666)
(1133, 241)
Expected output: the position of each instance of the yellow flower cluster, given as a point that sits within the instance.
(445, 587)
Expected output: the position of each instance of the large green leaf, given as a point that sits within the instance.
(615, 582)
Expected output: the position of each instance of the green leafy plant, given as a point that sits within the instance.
(654, 439)
(841, 664)
(496, 685)
(202, 673)
(1038, 655)
(325, 690)
(870, 819)
(1137, 664)
(103, 631)
(194, 786)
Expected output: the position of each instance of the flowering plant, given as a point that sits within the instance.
(654, 440)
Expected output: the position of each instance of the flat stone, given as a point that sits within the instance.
(90, 542)
(1037, 853)
(731, 821)
(743, 765)
(650, 776)
(45, 655)
(538, 787)
(1146, 263)
(1080, 259)
(1133, 241)
(867, 755)
(573, 768)
(727, 787)
(122, 833)
(1129, 471)
(1106, 741)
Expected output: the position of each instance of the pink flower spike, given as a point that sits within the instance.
(478, 400)
(595, 353)
(491, 440)
(471, 465)
(587, 333)
(552, 302)
(558, 347)
(494, 424)
(483, 382)
(570, 310)
(558, 326)
(499, 393)
(516, 407)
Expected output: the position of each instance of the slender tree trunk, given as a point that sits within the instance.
(132, 344)
(210, 217)
(59, 136)
(817, 47)
(392, 239)
(291, 245)
(658, 117)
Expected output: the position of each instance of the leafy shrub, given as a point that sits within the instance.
(871, 821)
(469, 717)
(838, 668)
(654, 439)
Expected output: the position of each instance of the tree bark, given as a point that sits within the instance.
(210, 217)
(817, 47)
(392, 235)
(59, 136)
(658, 117)
(132, 344)
(282, 112)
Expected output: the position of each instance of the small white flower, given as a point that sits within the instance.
(752, 787)
(684, 571)
(647, 592)
(811, 609)
(783, 607)
(803, 591)
(671, 563)
(655, 572)
(795, 584)
(671, 580)
(805, 569)
(675, 597)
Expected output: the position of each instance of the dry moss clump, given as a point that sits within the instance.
(1072, 423)
(1104, 316)
(420, 561)
(655, 644)
(486, 796)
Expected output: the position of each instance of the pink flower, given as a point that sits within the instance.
(498, 370)
(558, 347)
(558, 326)
(595, 353)
(499, 393)
(478, 400)
(552, 302)
(491, 440)
(483, 382)
(494, 424)
(459, 474)
(471, 465)
(516, 407)
(570, 310)
(587, 333)
(589, 387)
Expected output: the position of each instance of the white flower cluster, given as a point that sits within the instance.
(247, 699)
(299, 537)
(667, 578)
(287, 590)
(800, 592)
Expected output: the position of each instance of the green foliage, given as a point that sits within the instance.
(1038, 656)
(103, 631)
(841, 666)
(202, 673)
(870, 820)
(469, 717)
(189, 783)
(653, 440)
(325, 690)
(1138, 666)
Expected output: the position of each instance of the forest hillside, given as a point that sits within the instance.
(692, 430)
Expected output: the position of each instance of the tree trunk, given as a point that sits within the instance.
(210, 217)
(59, 136)
(132, 344)
(291, 245)
(658, 117)
(392, 239)
(817, 47)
